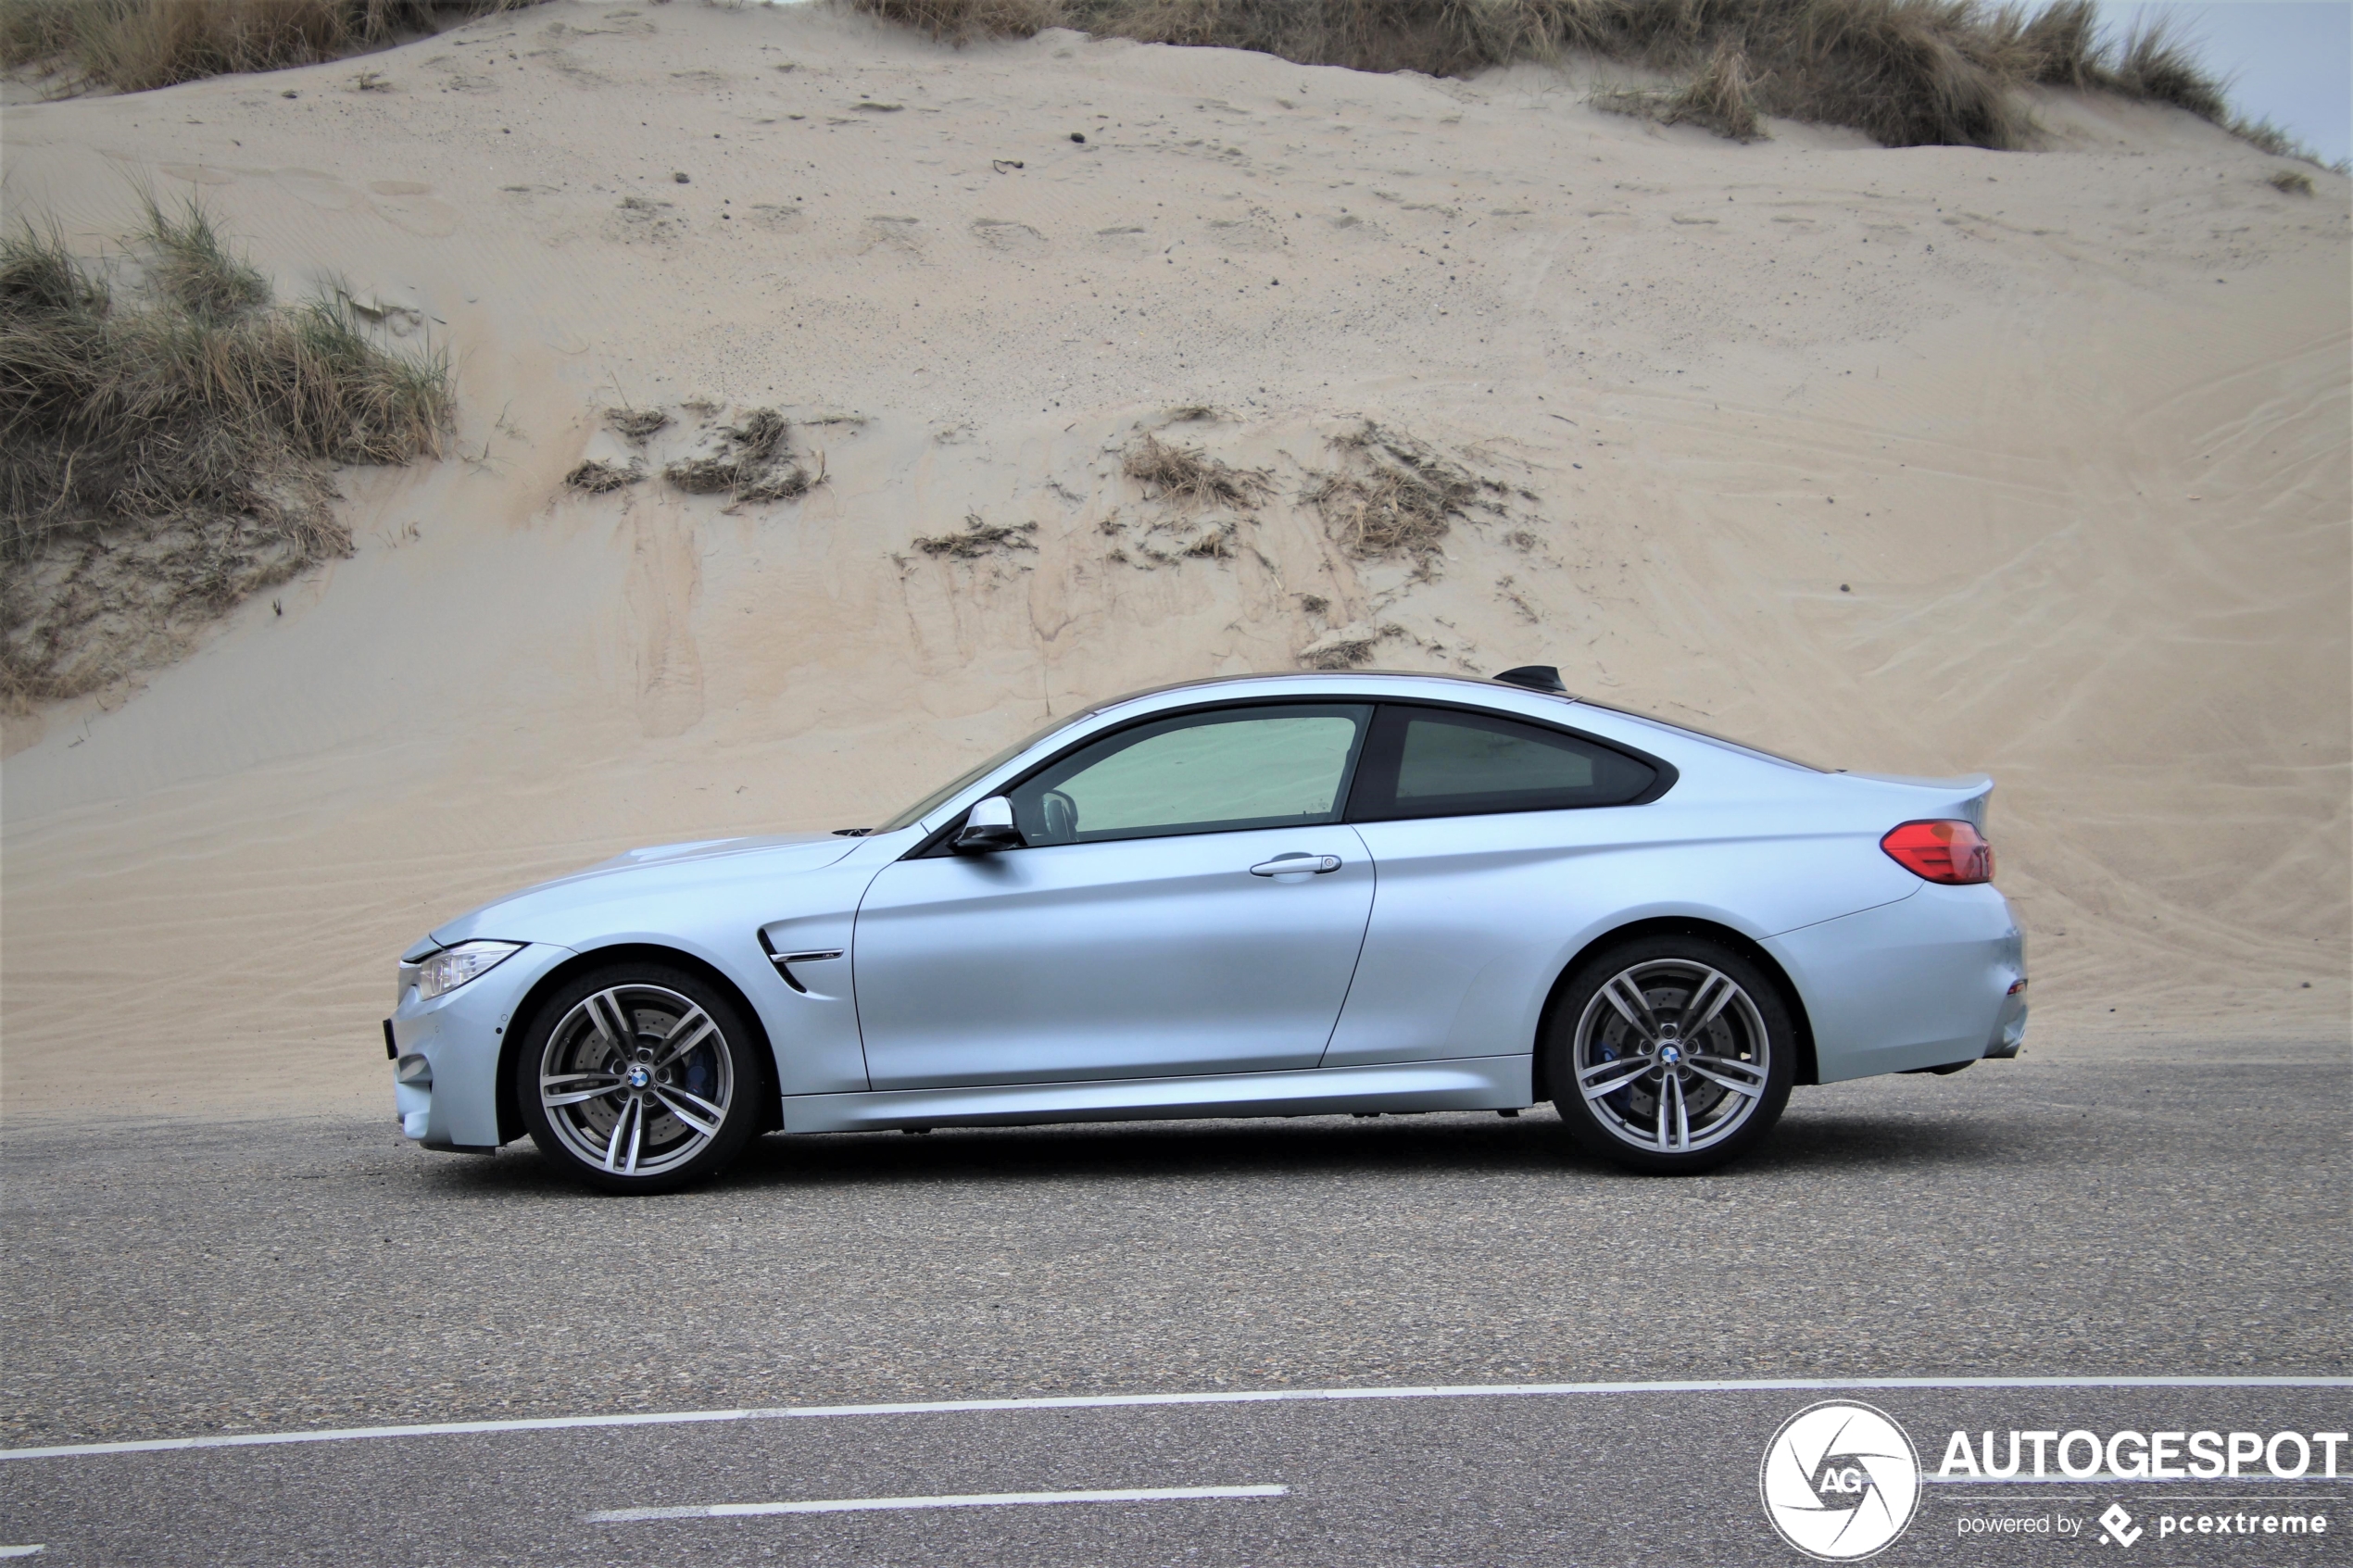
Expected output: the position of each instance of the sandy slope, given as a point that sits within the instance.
(1920, 461)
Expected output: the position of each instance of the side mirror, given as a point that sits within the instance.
(989, 827)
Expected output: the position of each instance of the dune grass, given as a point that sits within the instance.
(751, 464)
(980, 537)
(1722, 96)
(1906, 73)
(1392, 495)
(1189, 478)
(599, 478)
(134, 45)
(168, 434)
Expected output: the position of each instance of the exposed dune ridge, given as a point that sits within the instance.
(1920, 461)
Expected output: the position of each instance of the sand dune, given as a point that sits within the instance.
(1919, 461)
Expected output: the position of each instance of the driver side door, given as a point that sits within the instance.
(1185, 901)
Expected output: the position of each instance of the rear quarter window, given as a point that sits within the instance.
(1448, 762)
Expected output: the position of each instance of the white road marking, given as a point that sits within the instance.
(969, 1499)
(22, 1551)
(1115, 1401)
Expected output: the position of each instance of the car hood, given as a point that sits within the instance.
(540, 913)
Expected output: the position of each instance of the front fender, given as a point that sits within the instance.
(812, 1035)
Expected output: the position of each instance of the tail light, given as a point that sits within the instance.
(1950, 851)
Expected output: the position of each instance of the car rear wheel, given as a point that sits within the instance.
(1669, 1055)
(638, 1078)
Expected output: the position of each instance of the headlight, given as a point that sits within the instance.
(452, 967)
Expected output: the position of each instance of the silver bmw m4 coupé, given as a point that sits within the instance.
(1272, 896)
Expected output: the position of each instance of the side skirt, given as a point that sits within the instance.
(1483, 1083)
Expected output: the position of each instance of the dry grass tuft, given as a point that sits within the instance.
(2158, 62)
(1349, 647)
(190, 263)
(782, 483)
(979, 538)
(760, 437)
(966, 21)
(601, 478)
(704, 476)
(1906, 73)
(167, 449)
(749, 466)
(134, 45)
(2290, 181)
(635, 424)
(1720, 95)
(1393, 496)
(1185, 476)
(2269, 138)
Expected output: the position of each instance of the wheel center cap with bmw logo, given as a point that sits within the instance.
(639, 1077)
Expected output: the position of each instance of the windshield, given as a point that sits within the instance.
(931, 802)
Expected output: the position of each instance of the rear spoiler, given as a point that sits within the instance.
(1916, 799)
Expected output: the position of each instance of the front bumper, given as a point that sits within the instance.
(446, 1051)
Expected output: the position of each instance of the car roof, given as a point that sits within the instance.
(1671, 743)
(1339, 679)
(1504, 696)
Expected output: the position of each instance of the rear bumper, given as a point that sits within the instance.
(1927, 981)
(445, 1071)
(2010, 1029)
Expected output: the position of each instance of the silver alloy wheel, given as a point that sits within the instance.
(636, 1080)
(1671, 1056)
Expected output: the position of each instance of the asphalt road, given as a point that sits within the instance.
(2183, 1214)
(1633, 1479)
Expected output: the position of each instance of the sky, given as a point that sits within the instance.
(2290, 61)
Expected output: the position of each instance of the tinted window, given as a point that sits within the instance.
(1441, 762)
(1198, 772)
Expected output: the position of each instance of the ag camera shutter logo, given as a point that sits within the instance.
(1840, 1480)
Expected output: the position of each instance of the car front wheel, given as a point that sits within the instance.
(1669, 1055)
(638, 1079)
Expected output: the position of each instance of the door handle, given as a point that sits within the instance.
(1291, 865)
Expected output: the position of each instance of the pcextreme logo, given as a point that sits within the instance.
(1840, 1480)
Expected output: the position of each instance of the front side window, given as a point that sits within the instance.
(1443, 762)
(1218, 772)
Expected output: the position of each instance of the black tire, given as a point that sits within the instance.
(1721, 1100)
(666, 1121)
